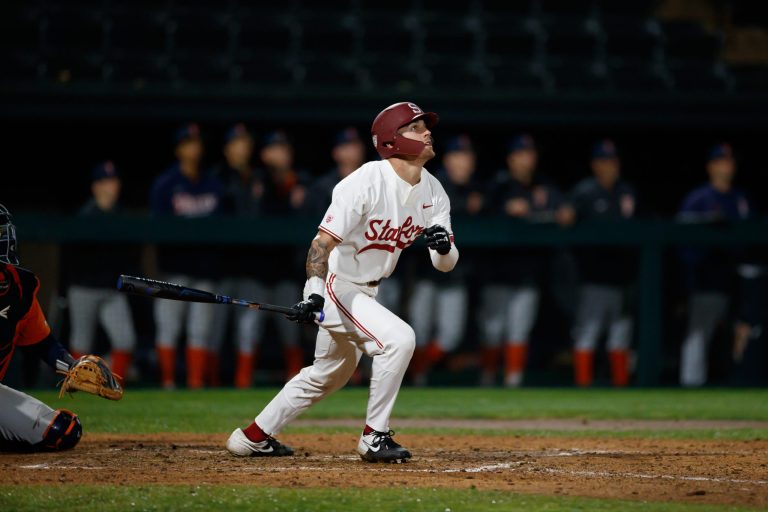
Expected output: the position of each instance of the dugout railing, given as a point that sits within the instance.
(651, 238)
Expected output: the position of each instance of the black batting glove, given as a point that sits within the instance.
(304, 311)
(438, 239)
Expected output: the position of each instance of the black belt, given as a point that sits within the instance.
(373, 283)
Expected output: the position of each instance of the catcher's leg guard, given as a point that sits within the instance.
(63, 432)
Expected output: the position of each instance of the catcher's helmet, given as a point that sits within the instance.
(384, 129)
(7, 238)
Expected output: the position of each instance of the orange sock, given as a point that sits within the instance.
(619, 367)
(294, 361)
(418, 362)
(121, 362)
(213, 368)
(582, 365)
(514, 358)
(167, 359)
(434, 352)
(244, 370)
(490, 359)
(196, 367)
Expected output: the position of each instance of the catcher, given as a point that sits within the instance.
(26, 424)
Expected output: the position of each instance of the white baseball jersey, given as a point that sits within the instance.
(375, 214)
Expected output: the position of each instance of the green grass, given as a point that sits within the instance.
(145, 411)
(208, 498)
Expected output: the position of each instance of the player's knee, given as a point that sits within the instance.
(406, 340)
(63, 432)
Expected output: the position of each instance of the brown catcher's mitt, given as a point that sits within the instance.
(92, 375)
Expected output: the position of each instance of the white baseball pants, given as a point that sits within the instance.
(354, 323)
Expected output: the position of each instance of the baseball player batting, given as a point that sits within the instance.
(27, 424)
(375, 213)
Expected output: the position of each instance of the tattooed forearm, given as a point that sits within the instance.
(317, 258)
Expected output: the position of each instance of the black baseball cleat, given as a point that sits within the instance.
(239, 445)
(379, 447)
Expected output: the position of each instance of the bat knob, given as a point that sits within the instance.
(319, 317)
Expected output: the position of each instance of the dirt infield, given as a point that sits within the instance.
(724, 472)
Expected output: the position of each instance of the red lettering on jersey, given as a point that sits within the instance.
(401, 236)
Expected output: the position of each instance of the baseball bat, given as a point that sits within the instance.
(162, 290)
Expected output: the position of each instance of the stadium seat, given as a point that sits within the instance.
(576, 10)
(338, 73)
(507, 8)
(456, 72)
(200, 32)
(132, 31)
(569, 38)
(74, 31)
(697, 76)
(523, 75)
(511, 40)
(637, 77)
(329, 35)
(75, 67)
(582, 75)
(454, 37)
(689, 41)
(261, 35)
(200, 68)
(138, 68)
(19, 30)
(388, 37)
(751, 78)
(264, 71)
(630, 39)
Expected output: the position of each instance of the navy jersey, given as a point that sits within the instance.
(520, 266)
(710, 204)
(98, 265)
(174, 194)
(241, 194)
(280, 192)
(321, 192)
(713, 268)
(458, 194)
(593, 202)
(543, 197)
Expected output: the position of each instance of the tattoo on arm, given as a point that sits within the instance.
(317, 258)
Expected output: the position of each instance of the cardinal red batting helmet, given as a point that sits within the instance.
(384, 129)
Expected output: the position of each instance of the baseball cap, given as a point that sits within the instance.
(722, 150)
(275, 137)
(520, 142)
(346, 136)
(187, 131)
(458, 143)
(237, 131)
(604, 148)
(104, 170)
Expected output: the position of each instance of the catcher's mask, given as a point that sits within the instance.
(7, 238)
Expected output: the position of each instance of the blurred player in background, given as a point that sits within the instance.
(27, 424)
(285, 193)
(437, 308)
(243, 190)
(511, 277)
(93, 270)
(710, 272)
(605, 272)
(348, 154)
(186, 190)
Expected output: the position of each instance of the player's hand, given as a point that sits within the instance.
(438, 239)
(304, 312)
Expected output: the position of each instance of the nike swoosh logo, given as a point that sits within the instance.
(268, 449)
(425, 206)
(374, 448)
